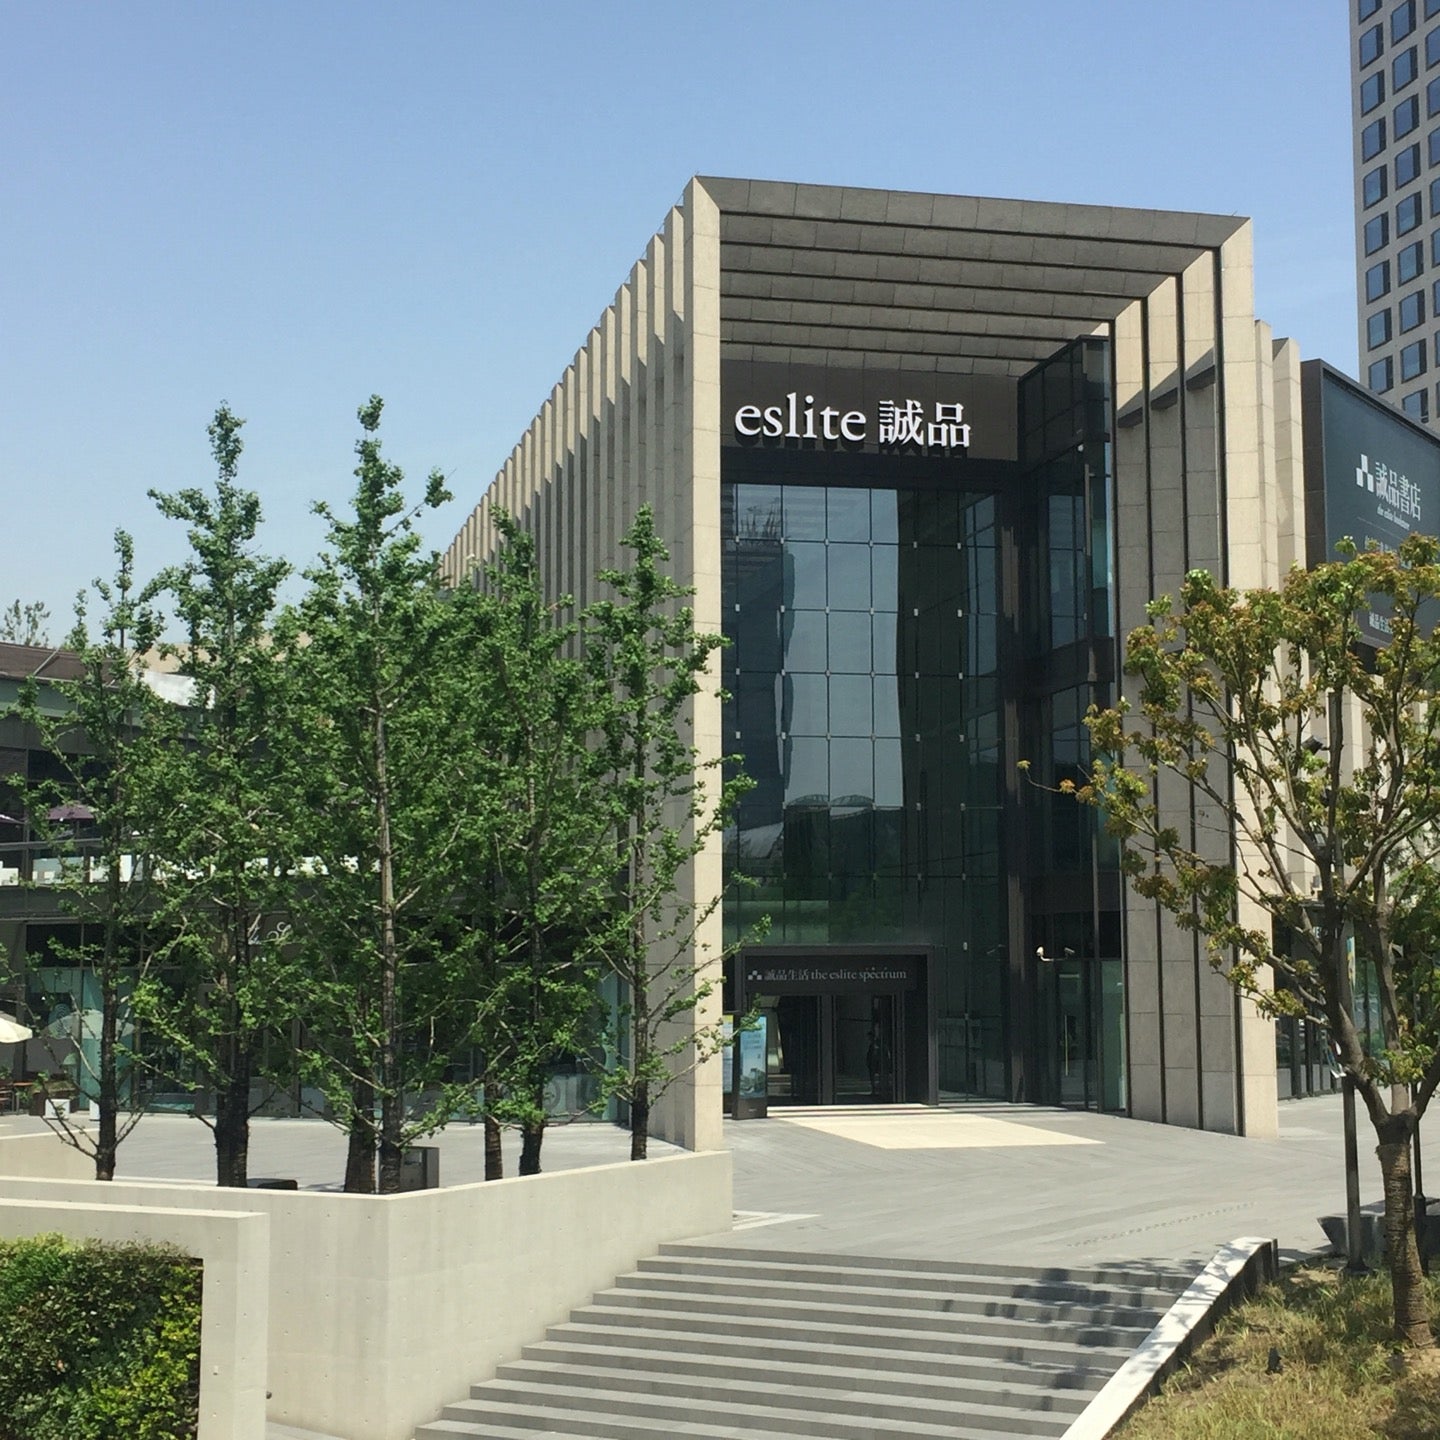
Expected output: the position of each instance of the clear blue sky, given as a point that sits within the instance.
(289, 206)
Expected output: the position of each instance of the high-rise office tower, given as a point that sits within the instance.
(1395, 68)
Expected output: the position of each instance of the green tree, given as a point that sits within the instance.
(388, 1005)
(667, 806)
(1320, 755)
(223, 833)
(538, 819)
(25, 624)
(107, 734)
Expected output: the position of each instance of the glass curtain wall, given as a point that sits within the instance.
(1067, 663)
(874, 672)
(864, 705)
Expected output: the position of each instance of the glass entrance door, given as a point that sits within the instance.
(1081, 1033)
(864, 1049)
(793, 1048)
(1075, 1042)
(832, 1049)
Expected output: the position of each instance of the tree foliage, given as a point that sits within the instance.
(1320, 756)
(537, 826)
(394, 829)
(223, 832)
(387, 792)
(25, 624)
(667, 805)
(107, 735)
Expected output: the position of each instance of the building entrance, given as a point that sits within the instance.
(843, 1027)
(832, 1049)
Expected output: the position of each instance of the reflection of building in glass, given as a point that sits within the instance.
(925, 459)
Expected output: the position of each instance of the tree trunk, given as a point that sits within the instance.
(392, 1103)
(494, 1155)
(391, 1150)
(532, 1134)
(1407, 1281)
(640, 1120)
(360, 1151)
(108, 1100)
(232, 1123)
(360, 1161)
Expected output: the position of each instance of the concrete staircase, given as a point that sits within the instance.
(719, 1342)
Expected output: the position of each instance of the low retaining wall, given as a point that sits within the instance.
(231, 1245)
(1238, 1270)
(41, 1155)
(382, 1308)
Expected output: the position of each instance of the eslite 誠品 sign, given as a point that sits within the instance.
(899, 424)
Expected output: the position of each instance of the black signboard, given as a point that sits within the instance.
(831, 975)
(1371, 475)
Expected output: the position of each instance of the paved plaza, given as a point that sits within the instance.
(967, 1181)
(1033, 1186)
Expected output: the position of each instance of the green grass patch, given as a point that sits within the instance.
(98, 1342)
(1339, 1378)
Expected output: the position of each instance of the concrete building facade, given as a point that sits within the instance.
(924, 459)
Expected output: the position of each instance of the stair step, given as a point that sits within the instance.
(469, 1430)
(620, 1417)
(892, 1394)
(714, 1342)
(766, 1360)
(858, 1346)
(617, 1304)
(947, 1301)
(1006, 1285)
(1162, 1277)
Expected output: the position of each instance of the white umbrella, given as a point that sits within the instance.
(12, 1031)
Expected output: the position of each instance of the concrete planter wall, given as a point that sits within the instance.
(40, 1155)
(381, 1308)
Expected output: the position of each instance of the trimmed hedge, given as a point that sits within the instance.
(98, 1342)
